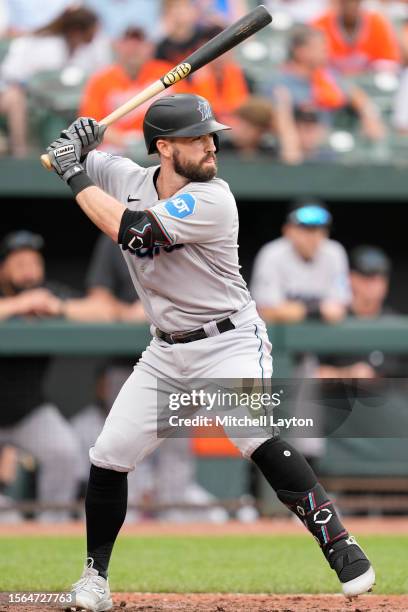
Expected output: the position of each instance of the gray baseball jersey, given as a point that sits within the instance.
(196, 278)
(281, 274)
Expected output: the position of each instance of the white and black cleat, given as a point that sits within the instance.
(352, 567)
(91, 592)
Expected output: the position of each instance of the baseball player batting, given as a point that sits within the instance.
(204, 321)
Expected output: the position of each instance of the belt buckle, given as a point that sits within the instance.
(179, 337)
(163, 336)
(174, 337)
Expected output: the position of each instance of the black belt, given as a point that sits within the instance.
(197, 334)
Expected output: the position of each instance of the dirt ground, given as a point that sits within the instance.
(259, 603)
(278, 526)
(213, 602)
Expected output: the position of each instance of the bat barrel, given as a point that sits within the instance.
(230, 37)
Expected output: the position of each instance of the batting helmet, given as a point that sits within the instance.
(179, 115)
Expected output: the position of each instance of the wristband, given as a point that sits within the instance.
(78, 182)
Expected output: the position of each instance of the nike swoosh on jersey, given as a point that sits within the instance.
(133, 199)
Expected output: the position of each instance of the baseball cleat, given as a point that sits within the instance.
(91, 592)
(353, 569)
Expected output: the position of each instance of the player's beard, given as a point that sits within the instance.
(192, 171)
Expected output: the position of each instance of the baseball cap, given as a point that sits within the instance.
(309, 213)
(369, 260)
(134, 32)
(22, 239)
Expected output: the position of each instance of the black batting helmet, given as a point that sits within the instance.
(179, 115)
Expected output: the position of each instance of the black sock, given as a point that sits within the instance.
(295, 483)
(105, 505)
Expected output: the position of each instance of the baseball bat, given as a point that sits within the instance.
(224, 41)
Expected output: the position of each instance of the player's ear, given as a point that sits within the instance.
(163, 146)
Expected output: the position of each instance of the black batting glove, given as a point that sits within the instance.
(88, 132)
(65, 154)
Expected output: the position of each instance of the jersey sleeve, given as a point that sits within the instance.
(108, 171)
(201, 215)
(266, 284)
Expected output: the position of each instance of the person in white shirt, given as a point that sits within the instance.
(70, 40)
(302, 274)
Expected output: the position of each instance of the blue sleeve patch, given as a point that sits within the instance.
(181, 206)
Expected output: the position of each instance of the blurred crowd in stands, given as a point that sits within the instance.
(327, 81)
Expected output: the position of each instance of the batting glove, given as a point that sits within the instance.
(65, 154)
(88, 132)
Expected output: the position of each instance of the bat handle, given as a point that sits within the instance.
(45, 160)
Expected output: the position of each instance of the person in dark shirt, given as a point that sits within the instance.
(107, 282)
(183, 33)
(27, 419)
(370, 270)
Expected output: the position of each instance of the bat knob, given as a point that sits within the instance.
(45, 160)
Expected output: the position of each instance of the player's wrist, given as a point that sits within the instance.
(78, 180)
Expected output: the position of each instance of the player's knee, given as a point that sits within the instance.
(108, 453)
(283, 466)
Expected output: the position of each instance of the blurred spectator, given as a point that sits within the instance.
(303, 274)
(400, 115)
(222, 82)
(182, 31)
(108, 283)
(71, 40)
(221, 12)
(27, 419)
(395, 10)
(251, 123)
(116, 16)
(4, 17)
(370, 269)
(8, 474)
(303, 137)
(305, 81)
(135, 68)
(359, 40)
(297, 11)
(25, 16)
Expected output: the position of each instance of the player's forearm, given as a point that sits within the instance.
(326, 371)
(287, 312)
(102, 209)
(89, 309)
(10, 307)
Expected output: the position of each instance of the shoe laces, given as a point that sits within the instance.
(89, 573)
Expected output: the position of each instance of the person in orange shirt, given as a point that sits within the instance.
(358, 39)
(222, 82)
(306, 81)
(135, 69)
